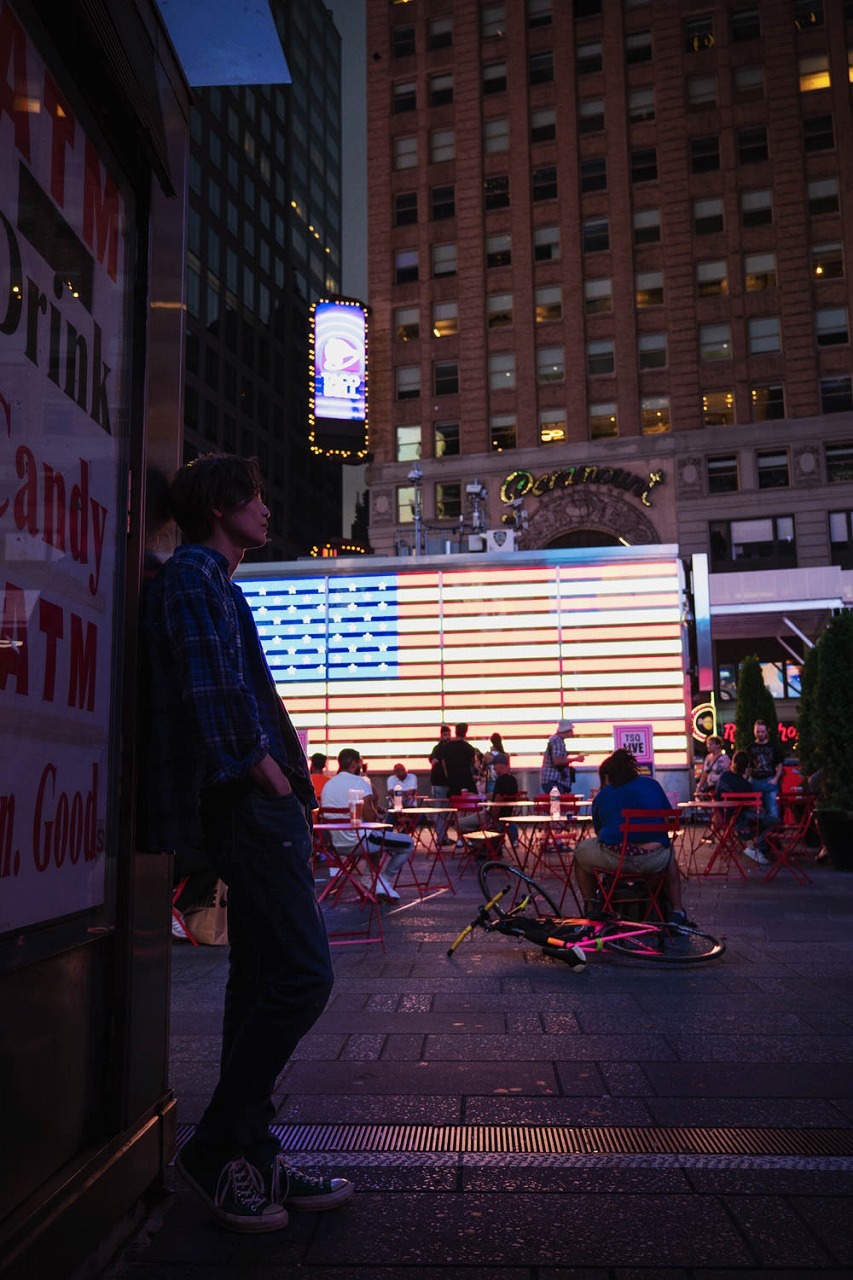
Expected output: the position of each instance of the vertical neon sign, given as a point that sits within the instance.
(338, 373)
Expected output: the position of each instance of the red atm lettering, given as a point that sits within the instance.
(13, 78)
(100, 211)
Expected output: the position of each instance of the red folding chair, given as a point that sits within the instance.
(788, 840)
(481, 841)
(625, 886)
(730, 839)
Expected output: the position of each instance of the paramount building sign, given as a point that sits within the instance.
(520, 484)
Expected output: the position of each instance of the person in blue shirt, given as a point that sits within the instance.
(227, 773)
(624, 787)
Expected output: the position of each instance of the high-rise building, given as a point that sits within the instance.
(263, 242)
(610, 279)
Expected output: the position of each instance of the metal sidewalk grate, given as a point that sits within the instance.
(558, 1140)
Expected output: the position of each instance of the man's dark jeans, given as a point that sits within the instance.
(280, 975)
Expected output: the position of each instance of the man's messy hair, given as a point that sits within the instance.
(211, 481)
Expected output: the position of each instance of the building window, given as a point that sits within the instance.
(405, 208)
(502, 432)
(540, 67)
(722, 473)
(440, 90)
(493, 21)
(641, 106)
(539, 13)
(440, 33)
(711, 279)
(501, 366)
(701, 92)
(406, 324)
(494, 78)
(827, 261)
(405, 153)
(445, 319)
(644, 165)
(408, 381)
(752, 145)
(404, 96)
(442, 145)
(648, 288)
(600, 357)
(448, 501)
(836, 395)
(446, 378)
(589, 58)
(543, 125)
(831, 326)
(698, 34)
(748, 84)
(704, 154)
(446, 439)
(498, 310)
(768, 402)
(496, 192)
(715, 342)
(756, 209)
(651, 351)
(707, 216)
(593, 174)
(807, 14)
(548, 303)
(405, 503)
(646, 223)
(591, 115)
(718, 408)
(405, 266)
(586, 8)
(552, 426)
(595, 235)
(767, 543)
(545, 183)
(444, 260)
(550, 364)
(839, 462)
(638, 47)
(598, 295)
(654, 415)
(546, 244)
(759, 271)
(841, 538)
(763, 335)
(442, 203)
(814, 72)
(773, 469)
(408, 443)
(603, 421)
(823, 196)
(496, 136)
(402, 42)
(745, 24)
(818, 133)
(498, 250)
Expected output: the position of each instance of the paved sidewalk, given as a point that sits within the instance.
(655, 1098)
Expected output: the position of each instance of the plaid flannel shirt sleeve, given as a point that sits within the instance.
(201, 623)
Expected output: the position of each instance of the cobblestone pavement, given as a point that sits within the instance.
(619, 1122)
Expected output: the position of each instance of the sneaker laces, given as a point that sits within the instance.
(244, 1182)
(280, 1168)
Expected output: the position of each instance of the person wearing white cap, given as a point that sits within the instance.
(557, 764)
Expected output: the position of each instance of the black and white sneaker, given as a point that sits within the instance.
(307, 1192)
(234, 1194)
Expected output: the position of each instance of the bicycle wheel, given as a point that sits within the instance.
(666, 944)
(496, 877)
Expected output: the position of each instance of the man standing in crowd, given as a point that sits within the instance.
(557, 764)
(336, 796)
(226, 761)
(460, 760)
(766, 761)
(438, 781)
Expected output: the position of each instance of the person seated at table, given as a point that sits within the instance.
(624, 787)
(715, 763)
(407, 782)
(336, 796)
(319, 776)
(750, 826)
(505, 790)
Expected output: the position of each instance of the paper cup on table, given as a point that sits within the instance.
(356, 803)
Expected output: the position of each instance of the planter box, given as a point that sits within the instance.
(836, 828)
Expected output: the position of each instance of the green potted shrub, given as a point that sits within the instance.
(825, 726)
(754, 702)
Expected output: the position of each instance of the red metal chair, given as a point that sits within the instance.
(744, 806)
(480, 841)
(788, 840)
(619, 887)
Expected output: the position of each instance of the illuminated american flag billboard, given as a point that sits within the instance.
(377, 654)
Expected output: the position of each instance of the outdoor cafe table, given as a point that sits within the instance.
(534, 851)
(355, 868)
(691, 836)
(427, 835)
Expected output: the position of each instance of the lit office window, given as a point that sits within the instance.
(718, 408)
